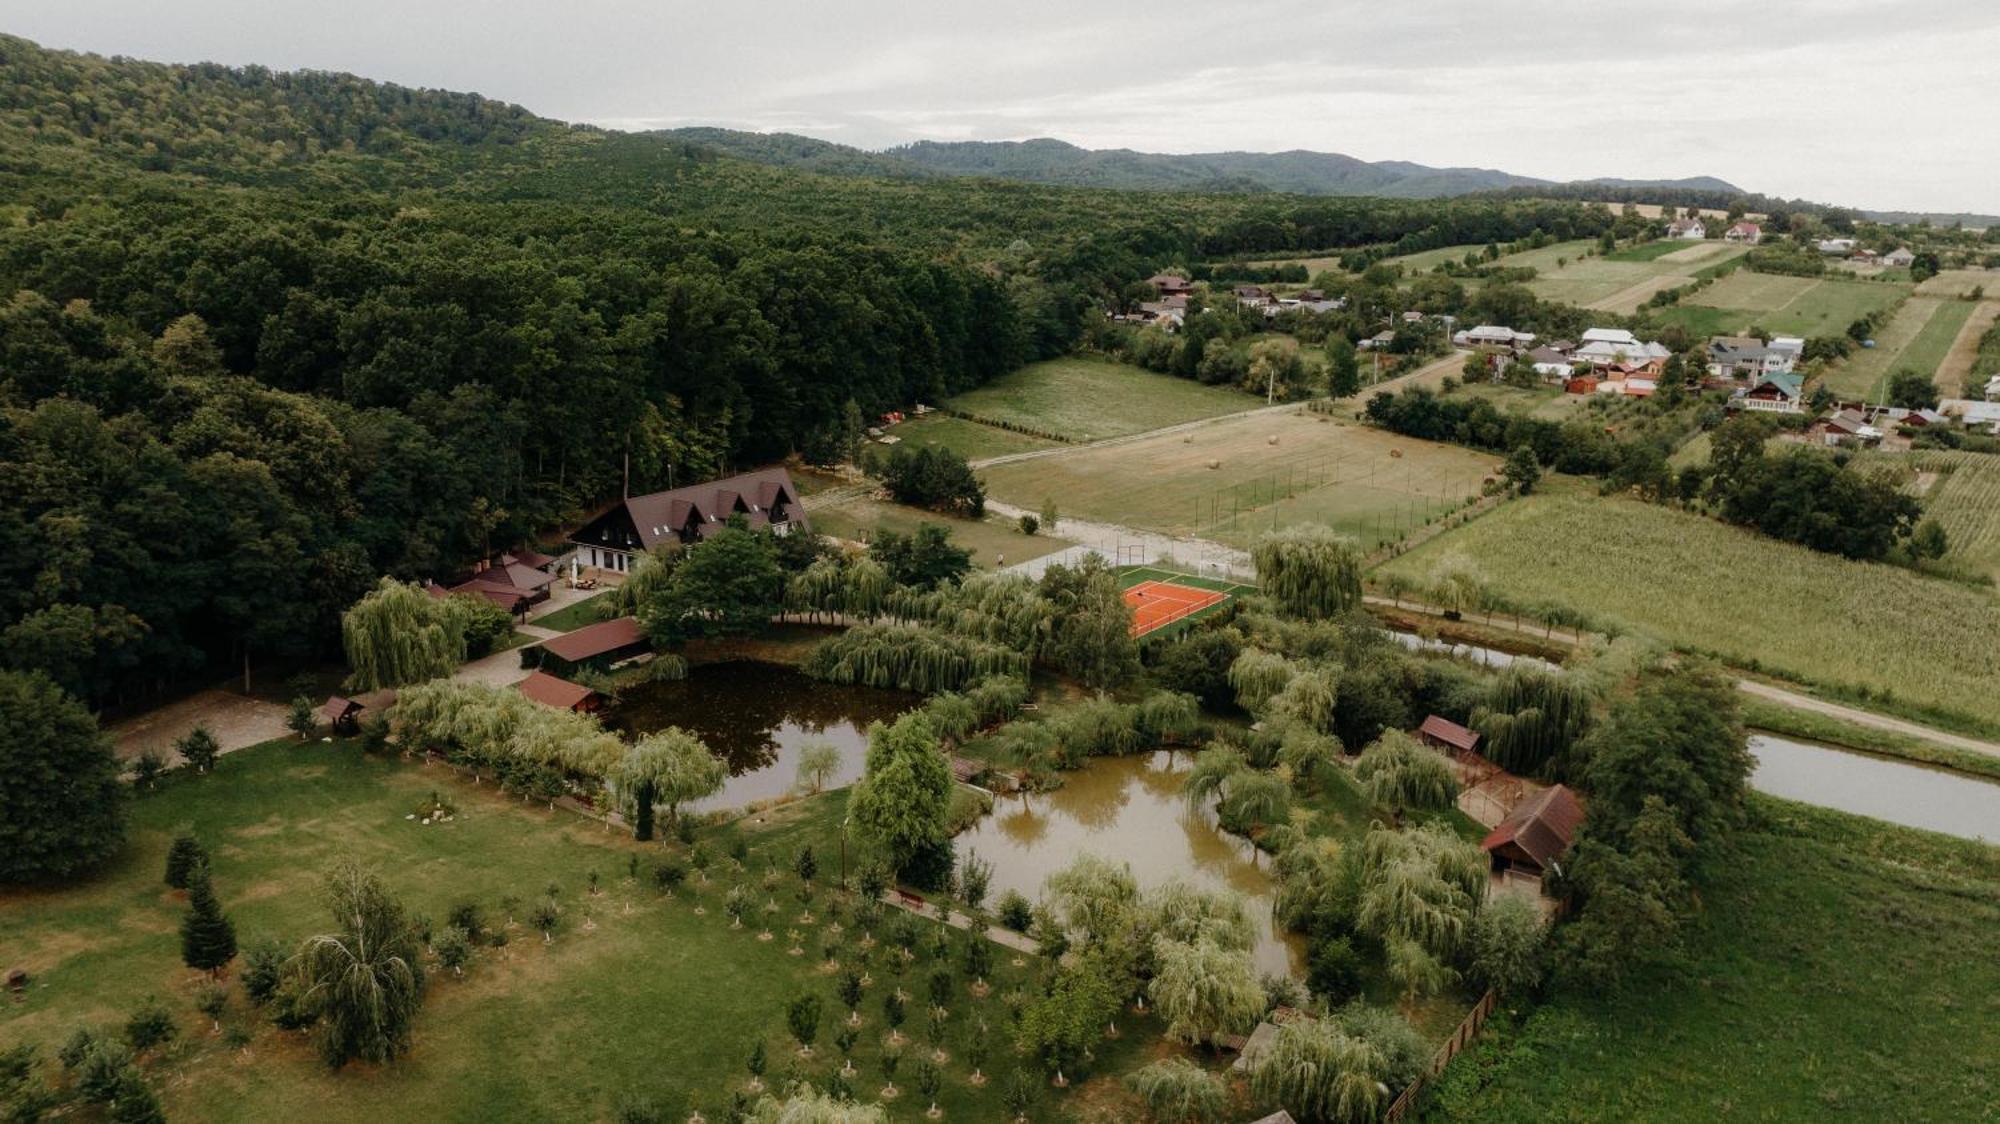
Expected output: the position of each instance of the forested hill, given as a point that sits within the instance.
(1049, 161)
(265, 337)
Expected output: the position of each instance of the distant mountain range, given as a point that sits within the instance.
(1058, 162)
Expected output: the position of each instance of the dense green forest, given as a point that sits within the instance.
(267, 336)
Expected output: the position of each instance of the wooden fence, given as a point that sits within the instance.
(1468, 1029)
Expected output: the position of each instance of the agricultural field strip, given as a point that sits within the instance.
(1964, 351)
(1813, 618)
(1863, 372)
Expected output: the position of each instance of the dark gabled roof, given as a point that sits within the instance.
(552, 691)
(1449, 732)
(336, 708)
(1543, 826)
(533, 559)
(659, 517)
(595, 640)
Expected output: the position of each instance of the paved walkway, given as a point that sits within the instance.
(998, 934)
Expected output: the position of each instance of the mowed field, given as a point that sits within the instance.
(1916, 338)
(990, 539)
(969, 439)
(1954, 376)
(1084, 399)
(1961, 282)
(1270, 470)
(1838, 968)
(1622, 281)
(1755, 602)
(1789, 306)
(638, 994)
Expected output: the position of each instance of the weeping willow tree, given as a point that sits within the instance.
(1307, 752)
(953, 716)
(1177, 1091)
(993, 608)
(819, 588)
(1532, 717)
(483, 726)
(1415, 971)
(1399, 772)
(1094, 899)
(1181, 911)
(1322, 1074)
(1421, 885)
(1168, 717)
(399, 634)
(1251, 800)
(997, 697)
(1213, 769)
(670, 767)
(1257, 675)
(1309, 571)
(1456, 586)
(647, 578)
(910, 657)
(1204, 990)
(363, 982)
(1309, 698)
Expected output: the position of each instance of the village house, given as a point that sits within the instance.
(1551, 363)
(1170, 285)
(1745, 357)
(1494, 335)
(1615, 349)
(1993, 389)
(1252, 296)
(1687, 230)
(1532, 840)
(1748, 233)
(1847, 427)
(681, 516)
(1973, 413)
(516, 581)
(1793, 348)
(1838, 246)
(1899, 258)
(1378, 342)
(1779, 394)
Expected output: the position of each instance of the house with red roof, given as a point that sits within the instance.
(1533, 838)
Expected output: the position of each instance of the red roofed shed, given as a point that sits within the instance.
(1537, 833)
(606, 639)
(559, 693)
(1446, 734)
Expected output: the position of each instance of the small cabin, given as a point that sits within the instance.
(343, 714)
(1532, 840)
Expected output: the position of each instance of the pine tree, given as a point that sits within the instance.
(183, 857)
(208, 940)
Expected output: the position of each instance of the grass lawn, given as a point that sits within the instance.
(857, 520)
(1840, 969)
(575, 615)
(1755, 602)
(1086, 398)
(1270, 470)
(1542, 401)
(638, 993)
(1546, 258)
(1794, 306)
(968, 439)
(1654, 251)
(1430, 259)
(1863, 374)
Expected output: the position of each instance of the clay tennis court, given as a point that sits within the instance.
(1156, 604)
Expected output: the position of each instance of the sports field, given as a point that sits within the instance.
(1235, 478)
(1758, 603)
(1623, 280)
(1163, 600)
(1792, 306)
(1084, 399)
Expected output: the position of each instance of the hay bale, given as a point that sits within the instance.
(1396, 453)
(1271, 440)
(1215, 464)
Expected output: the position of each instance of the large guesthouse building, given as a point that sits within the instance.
(633, 526)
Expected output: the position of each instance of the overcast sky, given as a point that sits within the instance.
(1874, 103)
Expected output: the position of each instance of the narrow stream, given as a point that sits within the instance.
(1129, 810)
(1895, 791)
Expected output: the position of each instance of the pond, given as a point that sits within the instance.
(1901, 793)
(757, 716)
(1129, 810)
(1488, 657)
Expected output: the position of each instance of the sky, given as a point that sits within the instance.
(1884, 104)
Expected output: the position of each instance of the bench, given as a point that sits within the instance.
(914, 901)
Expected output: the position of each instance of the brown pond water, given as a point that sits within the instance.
(1129, 810)
(757, 716)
